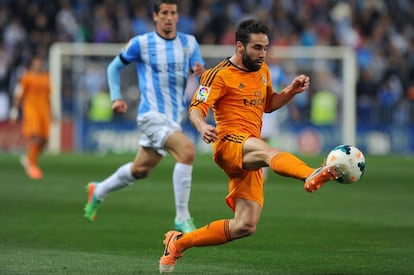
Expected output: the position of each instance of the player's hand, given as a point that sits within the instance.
(300, 84)
(119, 106)
(13, 114)
(208, 133)
(198, 69)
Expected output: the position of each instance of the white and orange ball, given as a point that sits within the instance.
(352, 161)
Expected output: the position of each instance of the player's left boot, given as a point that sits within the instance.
(33, 171)
(185, 226)
(170, 255)
(320, 176)
(93, 203)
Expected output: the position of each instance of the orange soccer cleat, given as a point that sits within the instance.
(320, 176)
(33, 171)
(170, 255)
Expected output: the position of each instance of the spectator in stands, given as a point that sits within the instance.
(389, 94)
(380, 31)
(367, 99)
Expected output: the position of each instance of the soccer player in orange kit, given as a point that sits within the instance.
(32, 94)
(239, 90)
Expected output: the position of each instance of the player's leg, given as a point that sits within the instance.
(183, 151)
(32, 150)
(246, 217)
(30, 160)
(146, 159)
(288, 165)
(257, 153)
(245, 198)
(36, 132)
(37, 146)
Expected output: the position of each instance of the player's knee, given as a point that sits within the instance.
(249, 229)
(244, 230)
(140, 172)
(190, 155)
(187, 155)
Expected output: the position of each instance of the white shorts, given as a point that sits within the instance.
(156, 128)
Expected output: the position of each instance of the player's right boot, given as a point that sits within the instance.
(93, 203)
(322, 175)
(170, 255)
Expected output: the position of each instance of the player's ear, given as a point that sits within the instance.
(240, 47)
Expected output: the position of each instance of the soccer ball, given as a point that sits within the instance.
(349, 160)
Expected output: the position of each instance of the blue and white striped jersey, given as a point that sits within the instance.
(163, 67)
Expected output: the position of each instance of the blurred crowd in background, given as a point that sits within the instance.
(380, 31)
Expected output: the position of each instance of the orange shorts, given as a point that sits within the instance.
(245, 184)
(36, 124)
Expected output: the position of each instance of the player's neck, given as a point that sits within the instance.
(237, 61)
(166, 35)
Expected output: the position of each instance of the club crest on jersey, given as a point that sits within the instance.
(264, 80)
(202, 93)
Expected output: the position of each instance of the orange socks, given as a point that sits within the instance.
(286, 164)
(214, 233)
(33, 152)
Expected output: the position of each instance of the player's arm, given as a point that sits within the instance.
(17, 98)
(196, 60)
(300, 84)
(114, 81)
(197, 117)
(198, 69)
(210, 90)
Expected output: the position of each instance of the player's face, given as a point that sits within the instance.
(166, 20)
(37, 64)
(255, 51)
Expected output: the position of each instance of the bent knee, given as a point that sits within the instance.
(140, 172)
(187, 155)
(244, 230)
(250, 230)
(190, 155)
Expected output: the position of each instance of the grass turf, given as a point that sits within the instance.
(363, 228)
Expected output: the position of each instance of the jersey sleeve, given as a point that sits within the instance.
(131, 51)
(269, 90)
(196, 53)
(208, 92)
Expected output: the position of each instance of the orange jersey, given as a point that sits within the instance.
(237, 97)
(36, 92)
(36, 103)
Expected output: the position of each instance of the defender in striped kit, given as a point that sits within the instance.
(164, 60)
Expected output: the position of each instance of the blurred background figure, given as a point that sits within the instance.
(32, 95)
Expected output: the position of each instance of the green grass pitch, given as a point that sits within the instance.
(363, 228)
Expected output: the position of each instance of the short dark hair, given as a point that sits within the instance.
(249, 26)
(157, 4)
